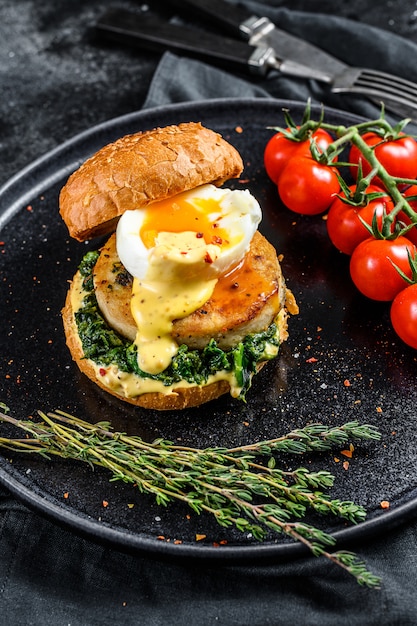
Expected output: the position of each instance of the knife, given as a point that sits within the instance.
(239, 22)
(148, 31)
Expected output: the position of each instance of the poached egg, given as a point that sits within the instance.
(176, 250)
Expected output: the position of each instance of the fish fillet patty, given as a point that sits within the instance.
(246, 301)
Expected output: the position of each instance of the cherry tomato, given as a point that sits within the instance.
(306, 186)
(404, 315)
(398, 156)
(344, 224)
(279, 149)
(412, 233)
(372, 269)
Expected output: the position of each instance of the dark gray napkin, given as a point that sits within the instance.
(51, 577)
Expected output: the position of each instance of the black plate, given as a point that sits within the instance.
(348, 337)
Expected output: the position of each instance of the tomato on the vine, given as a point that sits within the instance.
(398, 156)
(306, 186)
(280, 149)
(404, 315)
(372, 266)
(344, 225)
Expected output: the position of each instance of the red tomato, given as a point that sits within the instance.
(307, 187)
(412, 233)
(372, 269)
(344, 225)
(398, 156)
(277, 152)
(404, 315)
(279, 149)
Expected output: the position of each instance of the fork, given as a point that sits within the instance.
(377, 85)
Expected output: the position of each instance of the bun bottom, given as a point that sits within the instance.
(181, 398)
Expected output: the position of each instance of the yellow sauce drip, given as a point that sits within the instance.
(169, 291)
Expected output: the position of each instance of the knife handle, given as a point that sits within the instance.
(230, 16)
(151, 33)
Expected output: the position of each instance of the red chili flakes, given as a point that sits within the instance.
(384, 504)
(161, 537)
(345, 465)
(102, 371)
(347, 383)
(208, 258)
(378, 409)
(29, 208)
(217, 544)
(312, 359)
(66, 495)
(217, 240)
(199, 235)
(105, 504)
(239, 129)
(200, 537)
(177, 541)
(348, 453)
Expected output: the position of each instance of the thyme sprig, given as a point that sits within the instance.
(241, 487)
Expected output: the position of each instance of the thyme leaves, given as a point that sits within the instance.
(242, 487)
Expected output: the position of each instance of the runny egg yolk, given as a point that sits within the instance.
(176, 249)
(178, 216)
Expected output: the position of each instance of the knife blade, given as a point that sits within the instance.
(238, 21)
(260, 31)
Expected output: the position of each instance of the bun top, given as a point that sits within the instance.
(142, 168)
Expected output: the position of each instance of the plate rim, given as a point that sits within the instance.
(124, 538)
